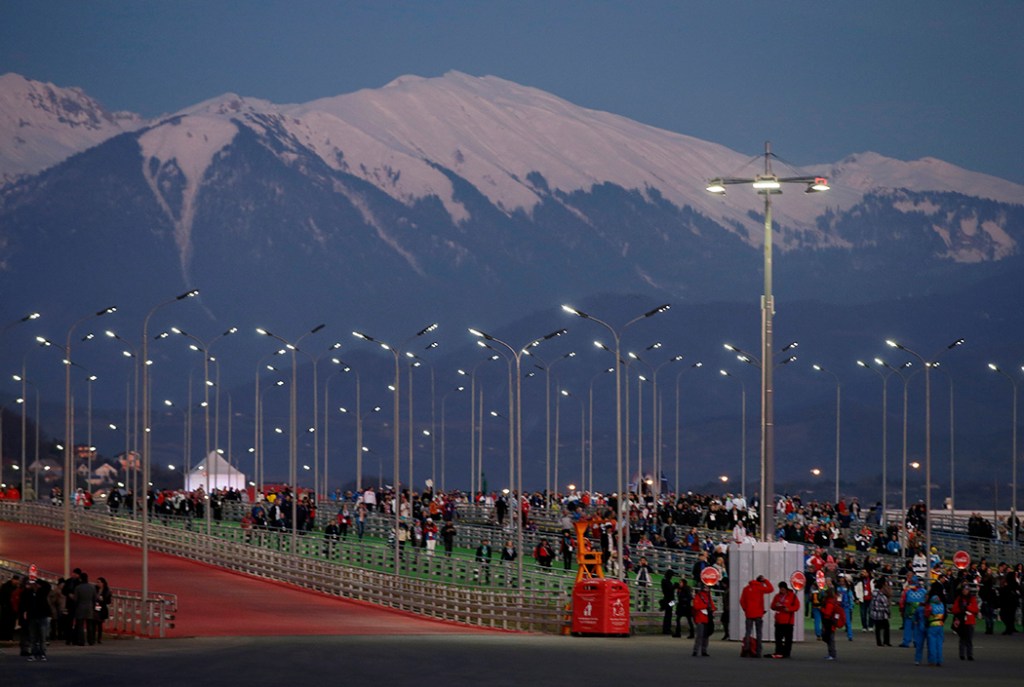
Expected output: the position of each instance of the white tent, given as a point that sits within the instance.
(222, 475)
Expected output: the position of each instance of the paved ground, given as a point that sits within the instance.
(494, 660)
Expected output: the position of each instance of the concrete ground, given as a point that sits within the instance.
(495, 660)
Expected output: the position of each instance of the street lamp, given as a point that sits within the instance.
(293, 429)
(743, 431)
(517, 413)
(583, 445)
(927, 364)
(547, 368)
(768, 184)
(767, 510)
(1013, 448)
(819, 368)
(147, 439)
(620, 522)
(396, 354)
(884, 376)
(69, 436)
(679, 375)
(346, 368)
(444, 400)
(589, 484)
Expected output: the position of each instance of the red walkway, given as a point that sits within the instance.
(211, 601)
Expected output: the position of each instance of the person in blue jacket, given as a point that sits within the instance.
(844, 594)
(935, 618)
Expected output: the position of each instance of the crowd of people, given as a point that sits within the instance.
(35, 612)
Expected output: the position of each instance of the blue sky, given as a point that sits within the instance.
(822, 79)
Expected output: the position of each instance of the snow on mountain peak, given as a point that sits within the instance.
(42, 124)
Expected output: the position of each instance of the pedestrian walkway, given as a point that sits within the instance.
(214, 602)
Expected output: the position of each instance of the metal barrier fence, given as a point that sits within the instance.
(128, 614)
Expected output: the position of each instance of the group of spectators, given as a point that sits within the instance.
(37, 613)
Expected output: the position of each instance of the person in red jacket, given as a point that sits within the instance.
(703, 618)
(833, 618)
(752, 603)
(965, 616)
(786, 605)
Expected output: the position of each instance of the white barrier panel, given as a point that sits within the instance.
(777, 561)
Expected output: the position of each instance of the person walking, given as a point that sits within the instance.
(786, 606)
(965, 617)
(833, 619)
(684, 607)
(703, 619)
(880, 611)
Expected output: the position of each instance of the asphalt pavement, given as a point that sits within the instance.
(496, 660)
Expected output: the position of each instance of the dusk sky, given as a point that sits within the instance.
(821, 80)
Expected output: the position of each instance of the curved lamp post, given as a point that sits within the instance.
(620, 522)
(767, 184)
(1013, 448)
(927, 364)
(396, 354)
(679, 376)
(819, 368)
(517, 355)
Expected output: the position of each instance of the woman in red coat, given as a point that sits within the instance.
(703, 617)
(833, 618)
(786, 605)
(965, 616)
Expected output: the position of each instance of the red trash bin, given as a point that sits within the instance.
(600, 607)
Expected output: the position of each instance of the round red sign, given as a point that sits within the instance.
(710, 576)
(961, 559)
(797, 581)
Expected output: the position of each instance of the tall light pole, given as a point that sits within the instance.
(679, 376)
(884, 376)
(819, 368)
(444, 400)
(547, 368)
(589, 484)
(147, 438)
(396, 416)
(657, 414)
(743, 431)
(767, 184)
(749, 359)
(69, 436)
(293, 424)
(583, 427)
(952, 442)
(346, 368)
(1013, 448)
(517, 488)
(927, 364)
(620, 521)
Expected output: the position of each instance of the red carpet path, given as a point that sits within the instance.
(211, 601)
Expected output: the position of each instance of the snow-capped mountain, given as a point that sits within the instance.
(42, 124)
(448, 182)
